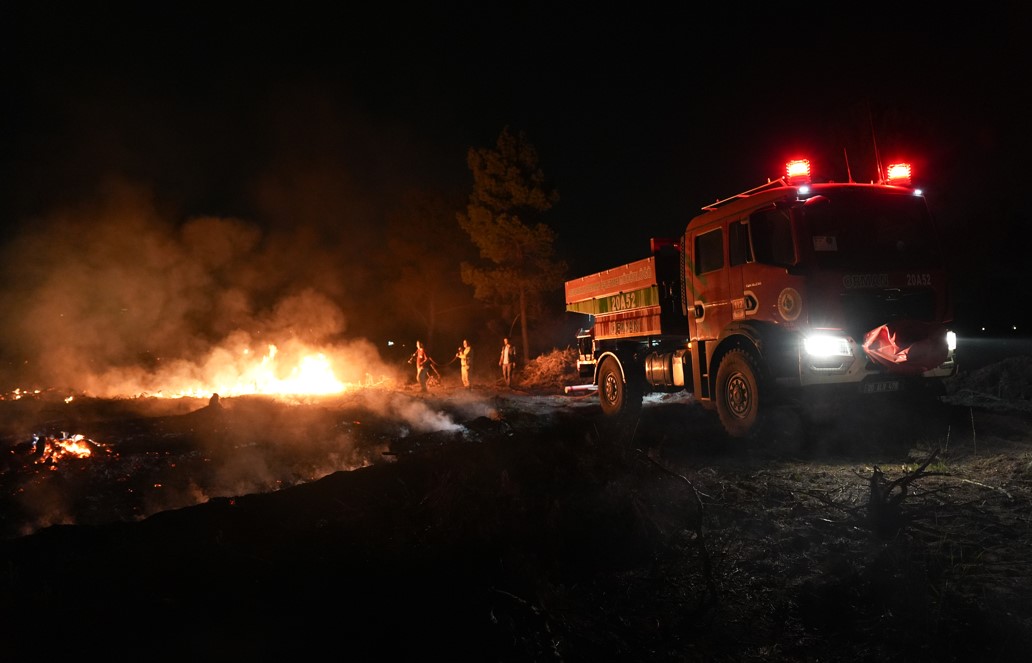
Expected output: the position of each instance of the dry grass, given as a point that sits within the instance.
(550, 372)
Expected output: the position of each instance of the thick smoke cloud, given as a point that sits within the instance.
(113, 298)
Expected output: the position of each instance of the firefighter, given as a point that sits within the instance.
(423, 363)
(507, 360)
(465, 356)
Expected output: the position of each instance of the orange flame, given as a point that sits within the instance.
(311, 375)
(288, 370)
(57, 448)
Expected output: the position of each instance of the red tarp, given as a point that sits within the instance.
(907, 346)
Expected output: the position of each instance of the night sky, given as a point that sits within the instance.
(307, 126)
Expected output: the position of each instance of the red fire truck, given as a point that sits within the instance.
(787, 293)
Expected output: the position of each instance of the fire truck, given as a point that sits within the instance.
(791, 293)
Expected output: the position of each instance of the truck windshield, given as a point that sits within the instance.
(867, 230)
(772, 237)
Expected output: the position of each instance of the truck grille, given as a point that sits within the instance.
(866, 310)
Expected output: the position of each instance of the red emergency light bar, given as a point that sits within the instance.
(898, 174)
(798, 171)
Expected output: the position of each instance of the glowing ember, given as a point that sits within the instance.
(52, 449)
(19, 394)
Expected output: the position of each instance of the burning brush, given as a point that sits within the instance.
(52, 449)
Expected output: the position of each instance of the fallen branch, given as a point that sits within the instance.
(885, 504)
(977, 483)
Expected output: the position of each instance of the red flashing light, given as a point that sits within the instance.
(898, 174)
(657, 243)
(798, 171)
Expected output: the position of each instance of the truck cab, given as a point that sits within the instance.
(816, 286)
(586, 352)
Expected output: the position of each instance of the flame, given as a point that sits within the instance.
(311, 375)
(301, 371)
(19, 394)
(53, 449)
(291, 369)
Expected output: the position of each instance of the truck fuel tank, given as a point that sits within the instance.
(667, 369)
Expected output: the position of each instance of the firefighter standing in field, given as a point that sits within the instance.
(423, 362)
(465, 356)
(507, 360)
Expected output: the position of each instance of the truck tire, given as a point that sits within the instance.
(738, 393)
(616, 396)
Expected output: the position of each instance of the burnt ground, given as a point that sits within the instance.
(514, 526)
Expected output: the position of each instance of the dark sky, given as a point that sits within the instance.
(640, 115)
(309, 124)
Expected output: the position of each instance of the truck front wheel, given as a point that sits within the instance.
(738, 393)
(616, 396)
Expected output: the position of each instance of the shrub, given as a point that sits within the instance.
(550, 372)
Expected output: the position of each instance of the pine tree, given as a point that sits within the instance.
(503, 219)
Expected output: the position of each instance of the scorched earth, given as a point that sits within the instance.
(513, 526)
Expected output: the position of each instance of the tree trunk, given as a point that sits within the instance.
(430, 316)
(523, 326)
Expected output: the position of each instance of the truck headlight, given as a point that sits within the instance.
(826, 345)
(951, 340)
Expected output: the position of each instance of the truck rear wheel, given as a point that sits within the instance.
(616, 396)
(738, 393)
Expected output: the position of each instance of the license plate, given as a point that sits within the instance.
(879, 387)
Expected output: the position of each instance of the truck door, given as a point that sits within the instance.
(767, 289)
(738, 269)
(709, 302)
(739, 257)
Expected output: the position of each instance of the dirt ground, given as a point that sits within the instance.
(515, 526)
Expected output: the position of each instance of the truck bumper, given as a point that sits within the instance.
(860, 375)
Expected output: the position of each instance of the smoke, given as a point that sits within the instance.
(414, 413)
(116, 298)
(241, 446)
(111, 298)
